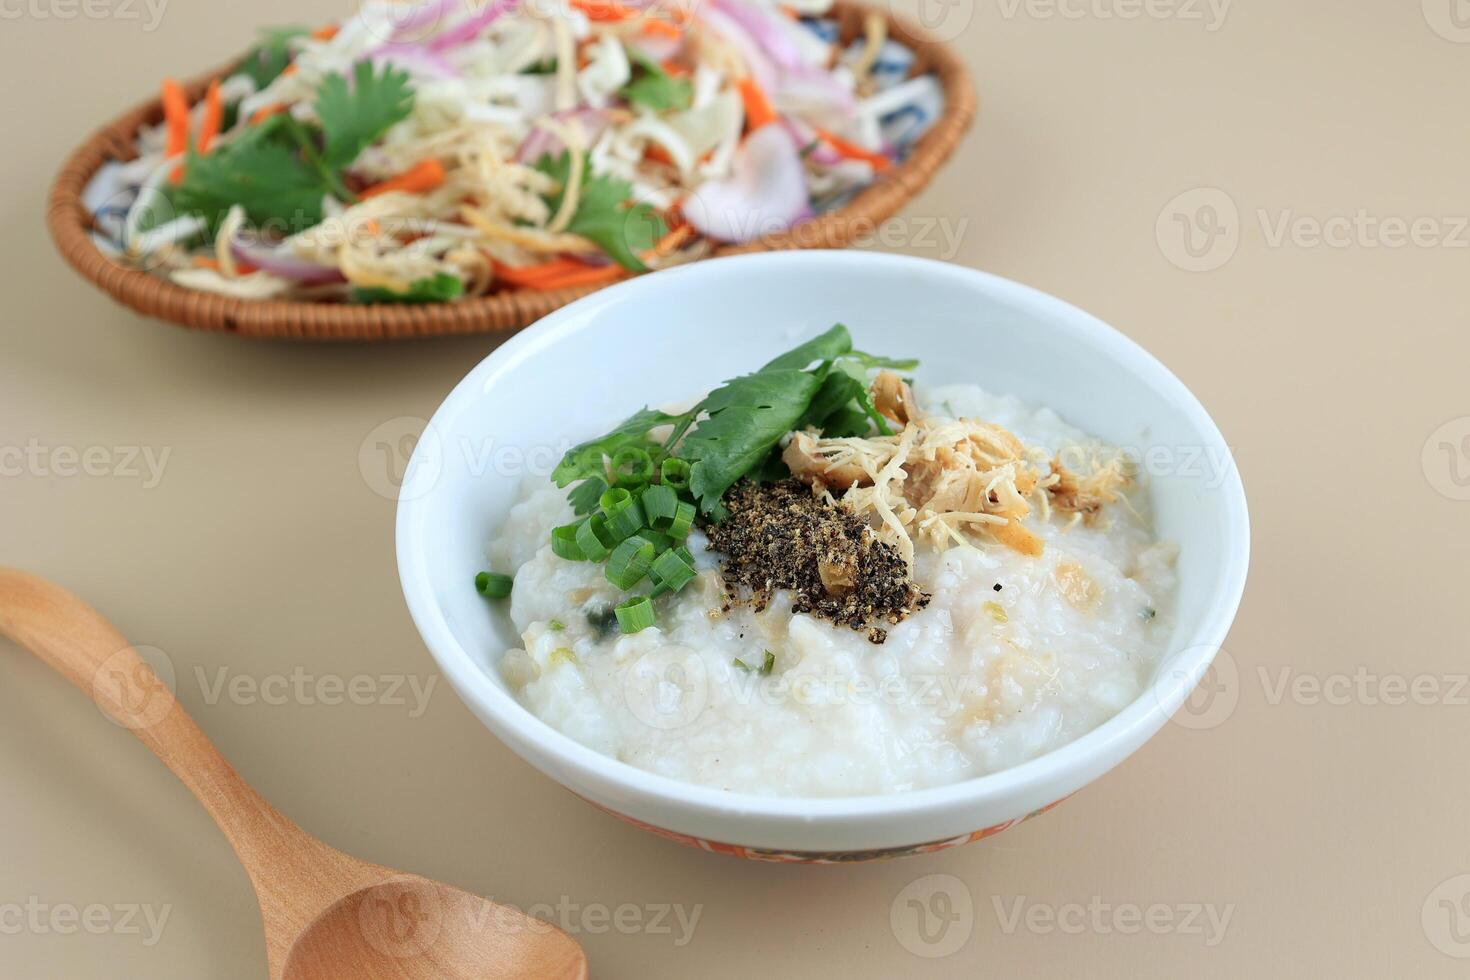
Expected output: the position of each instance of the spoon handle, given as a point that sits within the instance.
(87, 650)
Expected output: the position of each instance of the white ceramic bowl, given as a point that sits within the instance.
(662, 338)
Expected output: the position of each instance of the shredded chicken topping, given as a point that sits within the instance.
(938, 478)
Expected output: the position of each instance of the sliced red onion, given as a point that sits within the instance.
(766, 191)
(761, 28)
(543, 142)
(657, 48)
(422, 16)
(279, 262)
(815, 93)
(468, 29)
(723, 25)
(415, 59)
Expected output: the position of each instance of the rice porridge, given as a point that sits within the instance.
(1045, 608)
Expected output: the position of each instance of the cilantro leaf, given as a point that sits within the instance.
(871, 361)
(620, 231)
(747, 417)
(355, 116)
(271, 55)
(826, 346)
(655, 88)
(587, 460)
(737, 429)
(586, 495)
(438, 288)
(262, 172)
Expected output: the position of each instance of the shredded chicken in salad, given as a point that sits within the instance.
(432, 151)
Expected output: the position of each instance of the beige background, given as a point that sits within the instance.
(1331, 827)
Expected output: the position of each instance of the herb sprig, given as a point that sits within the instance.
(604, 214)
(281, 169)
(636, 495)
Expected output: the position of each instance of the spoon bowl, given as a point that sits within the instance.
(328, 916)
(400, 927)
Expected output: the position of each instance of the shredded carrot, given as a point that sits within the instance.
(265, 112)
(657, 153)
(854, 152)
(422, 177)
(670, 242)
(758, 109)
(604, 10)
(675, 69)
(290, 70)
(653, 27)
(557, 274)
(205, 262)
(176, 115)
(176, 118)
(524, 275)
(325, 33)
(214, 114)
(590, 276)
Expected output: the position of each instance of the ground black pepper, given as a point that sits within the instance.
(782, 536)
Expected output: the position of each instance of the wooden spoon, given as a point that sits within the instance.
(327, 915)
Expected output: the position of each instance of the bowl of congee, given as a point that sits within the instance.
(822, 556)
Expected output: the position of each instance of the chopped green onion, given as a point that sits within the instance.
(659, 505)
(674, 472)
(683, 552)
(741, 664)
(670, 569)
(631, 467)
(682, 521)
(624, 515)
(564, 542)
(556, 625)
(594, 539)
(660, 541)
(629, 562)
(768, 665)
(634, 614)
(492, 585)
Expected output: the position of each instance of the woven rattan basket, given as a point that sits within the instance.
(71, 222)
